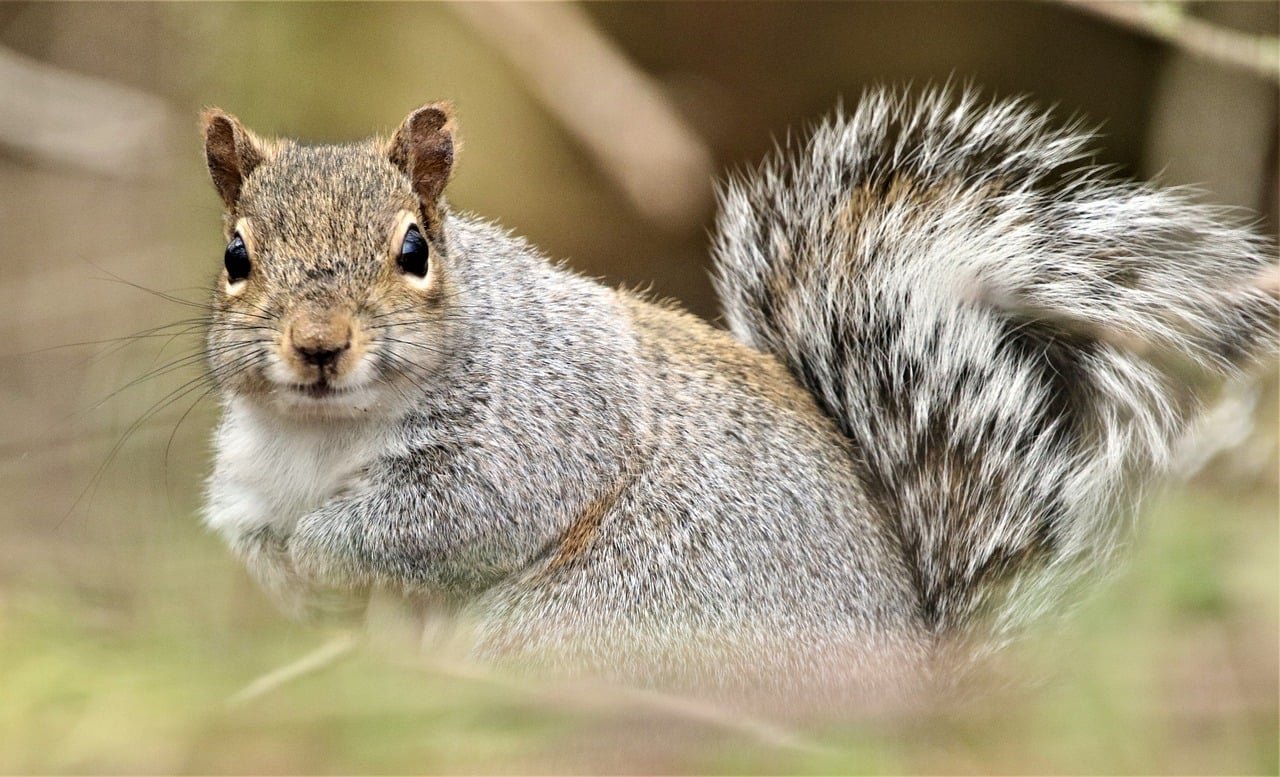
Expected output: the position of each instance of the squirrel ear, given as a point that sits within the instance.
(423, 148)
(231, 151)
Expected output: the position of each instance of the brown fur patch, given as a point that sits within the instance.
(918, 195)
(582, 532)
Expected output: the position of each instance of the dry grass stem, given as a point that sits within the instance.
(317, 660)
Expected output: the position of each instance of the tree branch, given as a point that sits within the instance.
(618, 112)
(1171, 23)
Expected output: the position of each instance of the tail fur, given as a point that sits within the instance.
(1007, 338)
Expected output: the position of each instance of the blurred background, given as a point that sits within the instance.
(594, 130)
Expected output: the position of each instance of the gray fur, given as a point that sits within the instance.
(605, 484)
(972, 306)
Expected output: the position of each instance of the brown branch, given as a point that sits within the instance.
(1170, 22)
(617, 112)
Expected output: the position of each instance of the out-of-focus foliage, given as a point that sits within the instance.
(125, 629)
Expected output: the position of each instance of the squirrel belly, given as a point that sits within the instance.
(955, 356)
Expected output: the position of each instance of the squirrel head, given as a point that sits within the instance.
(333, 292)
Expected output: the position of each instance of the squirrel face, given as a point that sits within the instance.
(333, 298)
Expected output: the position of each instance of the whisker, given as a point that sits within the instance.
(406, 370)
(175, 364)
(417, 321)
(263, 313)
(423, 346)
(160, 404)
(139, 335)
(417, 304)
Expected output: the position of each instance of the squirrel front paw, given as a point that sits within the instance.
(323, 551)
(300, 592)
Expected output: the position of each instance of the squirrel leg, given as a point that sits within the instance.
(267, 555)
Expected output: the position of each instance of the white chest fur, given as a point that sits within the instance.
(270, 471)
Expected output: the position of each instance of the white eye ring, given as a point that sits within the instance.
(404, 220)
(235, 288)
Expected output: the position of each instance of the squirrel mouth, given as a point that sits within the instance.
(321, 389)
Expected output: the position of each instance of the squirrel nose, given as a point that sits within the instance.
(321, 343)
(320, 356)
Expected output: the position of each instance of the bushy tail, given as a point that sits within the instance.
(1008, 340)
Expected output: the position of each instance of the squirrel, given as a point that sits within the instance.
(937, 400)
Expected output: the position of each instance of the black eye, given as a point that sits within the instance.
(413, 253)
(236, 260)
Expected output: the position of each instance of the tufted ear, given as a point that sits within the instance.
(231, 151)
(423, 148)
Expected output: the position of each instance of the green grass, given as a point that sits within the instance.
(1170, 668)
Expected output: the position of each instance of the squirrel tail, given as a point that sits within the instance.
(1011, 343)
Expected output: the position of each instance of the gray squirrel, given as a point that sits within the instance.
(939, 396)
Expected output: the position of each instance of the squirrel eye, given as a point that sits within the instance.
(236, 259)
(413, 253)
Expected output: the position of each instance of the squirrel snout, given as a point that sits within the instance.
(320, 342)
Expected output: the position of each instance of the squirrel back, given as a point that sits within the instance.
(1009, 340)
